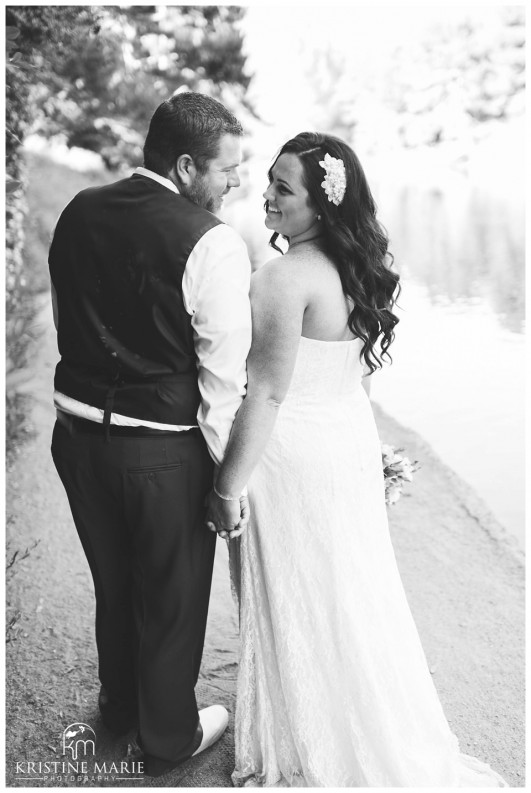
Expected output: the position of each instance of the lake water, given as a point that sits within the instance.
(458, 380)
(458, 375)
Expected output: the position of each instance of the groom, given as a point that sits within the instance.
(151, 304)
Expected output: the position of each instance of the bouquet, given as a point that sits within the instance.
(397, 469)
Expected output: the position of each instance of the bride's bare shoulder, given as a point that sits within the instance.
(279, 282)
(282, 271)
(274, 273)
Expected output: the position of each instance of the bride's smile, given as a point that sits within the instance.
(290, 211)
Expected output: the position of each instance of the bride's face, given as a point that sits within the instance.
(289, 208)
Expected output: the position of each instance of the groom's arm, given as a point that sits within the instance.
(216, 286)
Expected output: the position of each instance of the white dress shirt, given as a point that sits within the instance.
(215, 289)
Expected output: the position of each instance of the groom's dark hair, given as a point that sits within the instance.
(188, 123)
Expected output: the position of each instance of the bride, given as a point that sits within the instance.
(333, 686)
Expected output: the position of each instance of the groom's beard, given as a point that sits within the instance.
(200, 193)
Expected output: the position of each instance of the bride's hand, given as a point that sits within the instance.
(222, 516)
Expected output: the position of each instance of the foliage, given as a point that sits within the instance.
(335, 93)
(35, 36)
(193, 44)
(39, 39)
(458, 79)
(96, 73)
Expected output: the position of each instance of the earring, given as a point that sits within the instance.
(318, 217)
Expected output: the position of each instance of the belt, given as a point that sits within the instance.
(95, 428)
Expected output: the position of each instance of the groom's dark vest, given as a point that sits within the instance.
(116, 262)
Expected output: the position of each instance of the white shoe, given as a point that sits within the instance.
(214, 720)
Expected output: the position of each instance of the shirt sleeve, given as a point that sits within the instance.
(216, 284)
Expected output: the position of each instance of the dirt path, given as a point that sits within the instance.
(463, 575)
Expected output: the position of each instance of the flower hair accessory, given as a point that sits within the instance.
(335, 181)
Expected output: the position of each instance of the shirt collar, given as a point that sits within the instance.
(157, 178)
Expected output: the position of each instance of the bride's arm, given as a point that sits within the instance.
(278, 303)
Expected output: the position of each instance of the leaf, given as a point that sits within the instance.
(12, 32)
(16, 57)
(12, 185)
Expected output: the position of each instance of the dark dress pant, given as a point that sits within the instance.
(138, 507)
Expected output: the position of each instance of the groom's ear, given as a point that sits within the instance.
(185, 169)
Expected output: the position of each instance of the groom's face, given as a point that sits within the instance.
(208, 189)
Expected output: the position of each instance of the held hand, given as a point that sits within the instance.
(228, 518)
(222, 516)
(244, 519)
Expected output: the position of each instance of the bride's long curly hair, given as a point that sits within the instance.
(354, 240)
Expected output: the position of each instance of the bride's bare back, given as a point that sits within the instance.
(328, 309)
(313, 277)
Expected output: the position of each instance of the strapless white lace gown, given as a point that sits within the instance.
(333, 685)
